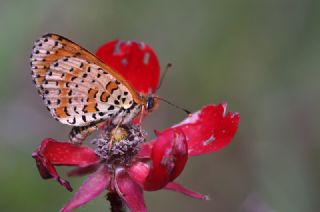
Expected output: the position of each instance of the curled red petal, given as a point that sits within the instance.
(136, 61)
(129, 191)
(91, 188)
(63, 153)
(52, 153)
(84, 170)
(47, 171)
(179, 188)
(209, 129)
(168, 158)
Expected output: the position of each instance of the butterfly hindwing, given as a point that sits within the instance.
(78, 88)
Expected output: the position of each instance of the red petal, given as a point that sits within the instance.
(136, 61)
(93, 187)
(145, 150)
(52, 153)
(209, 129)
(63, 153)
(129, 191)
(47, 171)
(168, 158)
(138, 172)
(179, 188)
(80, 171)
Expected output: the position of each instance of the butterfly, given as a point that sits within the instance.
(81, 90)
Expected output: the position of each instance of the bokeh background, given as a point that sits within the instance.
(260, 56)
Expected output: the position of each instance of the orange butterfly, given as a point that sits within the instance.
(80, 90)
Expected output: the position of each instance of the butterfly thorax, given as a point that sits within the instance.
(148, 103)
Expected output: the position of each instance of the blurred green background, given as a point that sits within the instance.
(260, 56)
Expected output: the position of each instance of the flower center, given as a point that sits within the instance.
(118, 134)
(118, 145)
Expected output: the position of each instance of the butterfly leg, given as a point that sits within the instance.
(141, 115)
(79, 134)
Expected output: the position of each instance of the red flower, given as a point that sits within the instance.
(122, 162)
(136, 61)
(155, 166)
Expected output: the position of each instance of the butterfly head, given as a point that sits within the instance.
(152, 103)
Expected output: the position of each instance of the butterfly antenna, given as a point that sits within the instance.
(176, 106)
(168, 66)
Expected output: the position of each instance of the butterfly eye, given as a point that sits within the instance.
(150, 103)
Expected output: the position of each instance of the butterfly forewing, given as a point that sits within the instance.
(78, 88)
